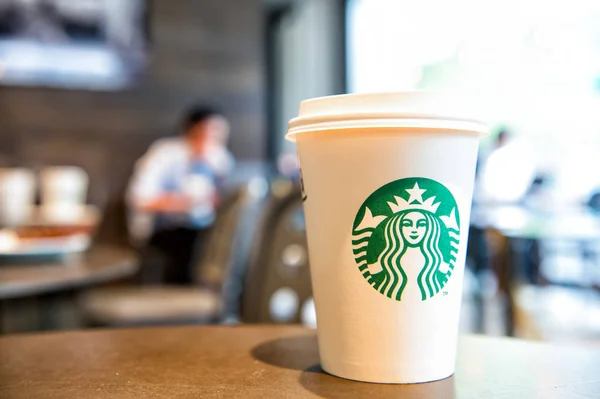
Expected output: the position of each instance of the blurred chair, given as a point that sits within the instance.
(478, 267)
(163, 304)
(278, 287)
(211, 269)
(501, 259)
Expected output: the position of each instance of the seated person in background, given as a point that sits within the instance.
(506, 174)
(176, 183)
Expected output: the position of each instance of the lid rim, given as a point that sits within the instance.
(407, 109)
(451, 126)
(308, 119)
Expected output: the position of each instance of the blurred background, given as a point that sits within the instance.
(145, 179)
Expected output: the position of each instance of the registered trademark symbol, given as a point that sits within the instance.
(445, 293)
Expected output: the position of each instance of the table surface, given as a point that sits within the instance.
(268, 362)
(100, 264)
(519, 221)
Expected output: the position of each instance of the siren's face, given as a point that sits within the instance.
(414, 227)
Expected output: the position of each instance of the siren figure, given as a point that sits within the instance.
(414, 226)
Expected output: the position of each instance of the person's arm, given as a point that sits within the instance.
(222, 164)
(146, 192)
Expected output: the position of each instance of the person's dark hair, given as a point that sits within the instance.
(197, 114)
(502, 137)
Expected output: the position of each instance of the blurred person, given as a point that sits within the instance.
(175, 190)
(505, 175)
(594, 201)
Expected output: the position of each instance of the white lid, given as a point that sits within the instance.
(53, 174)
(409, 109)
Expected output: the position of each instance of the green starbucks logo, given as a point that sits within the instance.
(407, 233)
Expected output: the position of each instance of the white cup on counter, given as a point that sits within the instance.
(17, 195)
(63, 193)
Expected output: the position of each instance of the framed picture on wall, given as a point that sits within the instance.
(85, 44)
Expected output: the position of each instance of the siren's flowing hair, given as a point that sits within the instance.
(394, 277)
(394, 280)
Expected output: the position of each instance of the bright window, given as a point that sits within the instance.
(534, 65)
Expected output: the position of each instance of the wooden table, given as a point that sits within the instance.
(518, 221)
(517, 248)
(41, 295)
(101, 264)
(268, 362)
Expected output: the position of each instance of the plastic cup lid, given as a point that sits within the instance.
(441, 111)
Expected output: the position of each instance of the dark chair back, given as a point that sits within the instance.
(213, 252)
(278, 285)
(215, 255)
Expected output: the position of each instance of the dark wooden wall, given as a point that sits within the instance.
(201, 51)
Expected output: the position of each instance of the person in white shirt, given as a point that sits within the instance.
(506, 174)
(175, 190)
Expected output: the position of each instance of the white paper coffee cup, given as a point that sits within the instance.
(63, 193)
(387, 180)
(17, 196)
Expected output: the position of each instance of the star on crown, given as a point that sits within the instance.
(415, 201)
